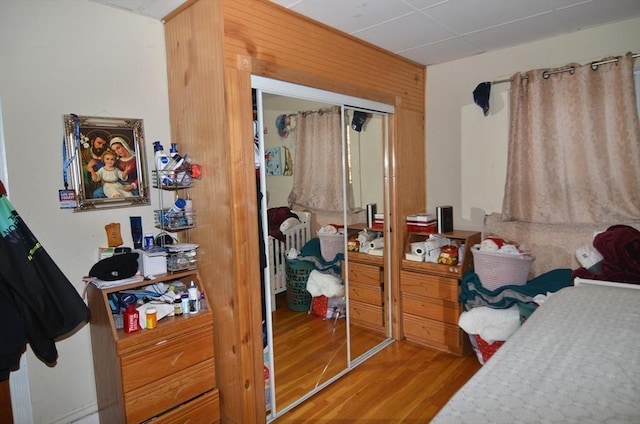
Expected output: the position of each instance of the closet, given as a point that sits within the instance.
(303, 351)
(213, 50)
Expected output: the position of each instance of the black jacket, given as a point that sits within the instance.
(32, 285)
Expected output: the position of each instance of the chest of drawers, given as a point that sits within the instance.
(166, 374)
(429, 295)
(366, 292)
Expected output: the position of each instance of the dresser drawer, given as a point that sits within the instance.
(365, 293)
(162, 395)
(366, 315)
(429, 285)
(201, 410)
(365, 274)
(428, 307)
(166, 358)
(432, 333)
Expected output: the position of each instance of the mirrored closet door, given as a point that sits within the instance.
(319, 161)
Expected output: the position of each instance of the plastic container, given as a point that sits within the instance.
(194, 299)
(177, 207)
(177, 306)
(152, 318)
(501, 269)
(331, 245)
(161, 157)
(185, 303)
(188, 211)
(131, 319)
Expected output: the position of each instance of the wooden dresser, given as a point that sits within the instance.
(430, 306)
(166, 374)
(366, 291)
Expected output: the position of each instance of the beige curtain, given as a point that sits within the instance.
(317, 177)
(574, 145)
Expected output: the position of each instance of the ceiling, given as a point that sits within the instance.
(437, 31)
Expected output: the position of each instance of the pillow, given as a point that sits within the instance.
(289, 223)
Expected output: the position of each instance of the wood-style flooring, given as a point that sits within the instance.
(403, 383)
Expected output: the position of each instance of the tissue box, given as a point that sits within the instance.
(152, 263)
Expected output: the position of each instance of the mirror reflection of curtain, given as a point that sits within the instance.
(317, 179)
(574, 145)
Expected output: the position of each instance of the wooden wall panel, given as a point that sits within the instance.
(199, 125)
(275, 35)
(213, 46)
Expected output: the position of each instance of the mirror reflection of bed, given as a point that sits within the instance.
(309, 349)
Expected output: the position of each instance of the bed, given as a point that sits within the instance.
(576, 359)
(288, 230)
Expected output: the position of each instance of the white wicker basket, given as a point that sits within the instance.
(500, 269)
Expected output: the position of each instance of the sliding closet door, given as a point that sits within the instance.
(304, 352)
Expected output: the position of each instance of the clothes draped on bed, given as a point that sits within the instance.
(275, 217)
(619, 246)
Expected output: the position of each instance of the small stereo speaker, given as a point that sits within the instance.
(445, 218)
(371, 214)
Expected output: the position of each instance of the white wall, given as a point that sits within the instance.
(59, 57)
(467, 152)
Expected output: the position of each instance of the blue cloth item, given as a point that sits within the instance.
(311, 252)
(473, 294)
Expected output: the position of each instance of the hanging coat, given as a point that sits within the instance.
(45, 300)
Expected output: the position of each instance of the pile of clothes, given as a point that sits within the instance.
(618, 256)
(490, 317)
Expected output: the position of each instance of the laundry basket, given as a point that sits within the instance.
(297, 272)
(500, 269)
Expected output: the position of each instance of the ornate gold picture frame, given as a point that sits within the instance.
(105, 162)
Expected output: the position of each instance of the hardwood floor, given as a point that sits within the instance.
(403, 383)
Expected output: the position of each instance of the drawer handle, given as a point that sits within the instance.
(161, 342)
(176, 396)
(175, 360)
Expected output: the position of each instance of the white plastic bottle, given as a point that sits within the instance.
(188, 211)
(194, 299)
(160, 156)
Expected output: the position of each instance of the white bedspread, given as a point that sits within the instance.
(575, 360)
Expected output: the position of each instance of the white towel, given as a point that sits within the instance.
(324, 284)
(489, 323)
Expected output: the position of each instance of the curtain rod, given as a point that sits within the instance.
(571, 69)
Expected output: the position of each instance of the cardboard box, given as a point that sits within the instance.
(152, 263)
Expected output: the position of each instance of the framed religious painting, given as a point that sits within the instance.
(105, 163)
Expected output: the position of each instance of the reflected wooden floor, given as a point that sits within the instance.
(403, 383)
(308, 350)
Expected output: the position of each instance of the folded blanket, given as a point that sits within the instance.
(473, 294)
